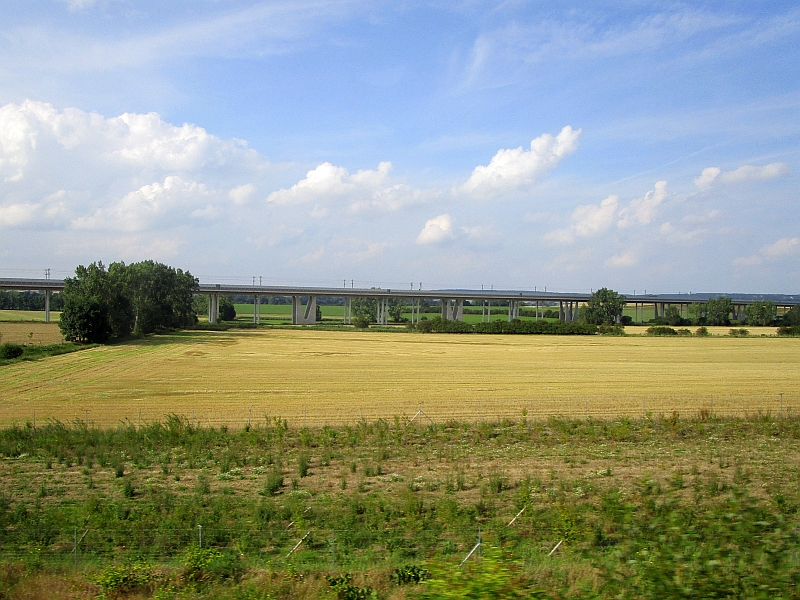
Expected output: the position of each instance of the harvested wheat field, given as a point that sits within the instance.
(30, 332)
(318, 377)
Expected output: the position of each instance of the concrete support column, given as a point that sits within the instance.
(347, 318)
(304, 315)
(47, 294)
(458, 309)
(561, 311)
(257, 308)
(213, 308)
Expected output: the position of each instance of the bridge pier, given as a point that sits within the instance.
(383, 311)
(47, 294)
(213, 308)
(347, 317)
(304, 315)
(453, 309)
(257, 309)
(513, 310)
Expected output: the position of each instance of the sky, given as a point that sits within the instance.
(521, 145)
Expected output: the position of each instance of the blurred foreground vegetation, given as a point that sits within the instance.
(659, 507)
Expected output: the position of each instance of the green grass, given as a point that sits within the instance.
(644, 508)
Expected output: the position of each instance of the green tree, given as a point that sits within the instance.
(792, 317)
(760, 313)
(227, 312)
(673, 316)
(96, 309)
(365, 308)
(101, 305)
(697, 313)
(718, 311)
(396, 306)
(604, 307)
(161, 297)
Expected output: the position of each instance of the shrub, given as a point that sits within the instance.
(789, 330)
(347, 591)
(128, 490)
(123, 579)
(274, 482)
(702, 332)
(661, 330)
(611, 330)
(209, 565)
(11, 350)
(738, 333)
(409, 574)
(361, 322)
(302, 465)
(684, 332)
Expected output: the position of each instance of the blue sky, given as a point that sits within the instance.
(631, 145)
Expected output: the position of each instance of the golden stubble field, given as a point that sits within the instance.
(318, 377)
(30, 332)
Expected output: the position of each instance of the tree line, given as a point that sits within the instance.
(104, 304)
(10, 300)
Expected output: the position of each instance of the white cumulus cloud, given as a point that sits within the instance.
(69, 168)
(592, 219)
(711, 175)
(587, 220)
(626, 259)
(365, 190)
(515, 168)
(436, 230)
(643, 210)
(780, 249)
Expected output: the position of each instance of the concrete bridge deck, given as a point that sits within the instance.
(452, 300)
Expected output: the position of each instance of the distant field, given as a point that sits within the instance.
(30, 333)
(28, 315)
(321, 377)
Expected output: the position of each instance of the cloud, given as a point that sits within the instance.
(711, 175)
(643, 210)
(62, 169)
(512, 169)
(364, 191)
(436, 230)
(780, 249)
(74, 5)
(707, 177)
(592, 219)
(241, 194)
(587, 220)
(626, 259)
(152, 206)
(783, 247)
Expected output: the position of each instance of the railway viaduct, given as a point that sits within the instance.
(452, 301)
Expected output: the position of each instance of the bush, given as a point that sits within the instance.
(611, 330)
(361, 322)
(738, 333)
(661, 330)
(409, 574)
(684, 332)
(302, 465)
(123, 579)
(11, 350)
(274, 482)
(209, 565)
(702, 332)
(347, 591)
(789, 330)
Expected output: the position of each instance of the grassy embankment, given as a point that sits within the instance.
(644, 508)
